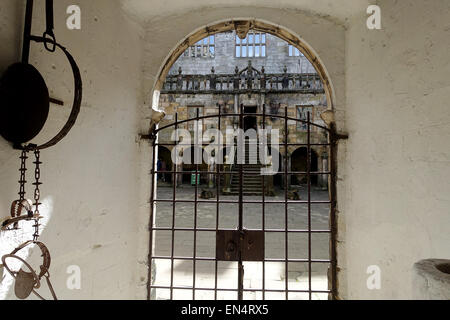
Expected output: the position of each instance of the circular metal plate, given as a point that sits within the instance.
(24, 103)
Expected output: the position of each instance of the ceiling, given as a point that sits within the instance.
(338, 9)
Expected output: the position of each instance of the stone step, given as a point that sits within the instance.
(245, 193)
(249, 176)
(250, 185)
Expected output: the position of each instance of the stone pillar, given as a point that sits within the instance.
(211, 168)
(227, 177)
(179, 176)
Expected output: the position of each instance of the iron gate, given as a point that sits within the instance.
(241, 245)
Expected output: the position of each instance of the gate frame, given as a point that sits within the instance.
(298, 42)
(332, 144)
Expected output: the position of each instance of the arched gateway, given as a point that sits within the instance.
(236, 261)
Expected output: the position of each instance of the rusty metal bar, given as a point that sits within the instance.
(245, 201)
(217, 203)
(174, 191)
(27, 31)
(308, 169)
(333, 137)
(240, 227)
(150, 225)
(267, 259)
(263, 211)
(56, 101)
(238, 115)
(234, 290)
(228, 229)
(231, 172)
(207, 143)
(286, 202)
(195, 208)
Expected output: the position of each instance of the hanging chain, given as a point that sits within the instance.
(23, 169)
(37, 183)
(22, 181)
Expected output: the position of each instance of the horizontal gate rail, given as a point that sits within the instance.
(210, 116)
(245, 201)
(229, 229)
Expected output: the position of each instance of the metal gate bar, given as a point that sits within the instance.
(174, 191)
(217, 173)
(308, 177)
(263, 224)
(194, 261)
(286, 178)
(219, 118)
(150, 224)
(241, 212)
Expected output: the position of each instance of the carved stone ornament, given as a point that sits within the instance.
(242, 28)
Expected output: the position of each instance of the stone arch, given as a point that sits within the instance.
(255, 24)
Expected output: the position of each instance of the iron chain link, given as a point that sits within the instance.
(37, 193)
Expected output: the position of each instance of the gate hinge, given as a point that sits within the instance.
(156, 117)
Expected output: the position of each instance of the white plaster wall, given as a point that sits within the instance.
(398, 154)
(91, 178)
(390, 91)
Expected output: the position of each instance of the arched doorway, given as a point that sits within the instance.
(249, 120)
(165, 164)
(221, 235)
(299, 164)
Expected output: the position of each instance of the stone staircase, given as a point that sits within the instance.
(252, 178)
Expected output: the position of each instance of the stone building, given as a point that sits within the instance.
(259, 71)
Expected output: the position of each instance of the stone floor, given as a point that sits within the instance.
(227, 271)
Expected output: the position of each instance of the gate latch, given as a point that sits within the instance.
(249, 243)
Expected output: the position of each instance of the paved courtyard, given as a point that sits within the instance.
(227, 271)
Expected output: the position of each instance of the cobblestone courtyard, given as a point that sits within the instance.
(227, 271)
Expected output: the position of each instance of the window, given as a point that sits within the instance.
(204, 48)
(302, 114)
(254, 45)
(294, 52)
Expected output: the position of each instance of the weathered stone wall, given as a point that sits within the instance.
(225, 60)
(275, 104)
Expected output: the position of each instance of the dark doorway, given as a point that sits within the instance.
(250, 121)
(189, 164)
(299, 163)
(165, 164)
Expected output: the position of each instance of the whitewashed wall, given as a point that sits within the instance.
(398, 188)
(90, 190)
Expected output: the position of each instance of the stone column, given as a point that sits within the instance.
(211, 168)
